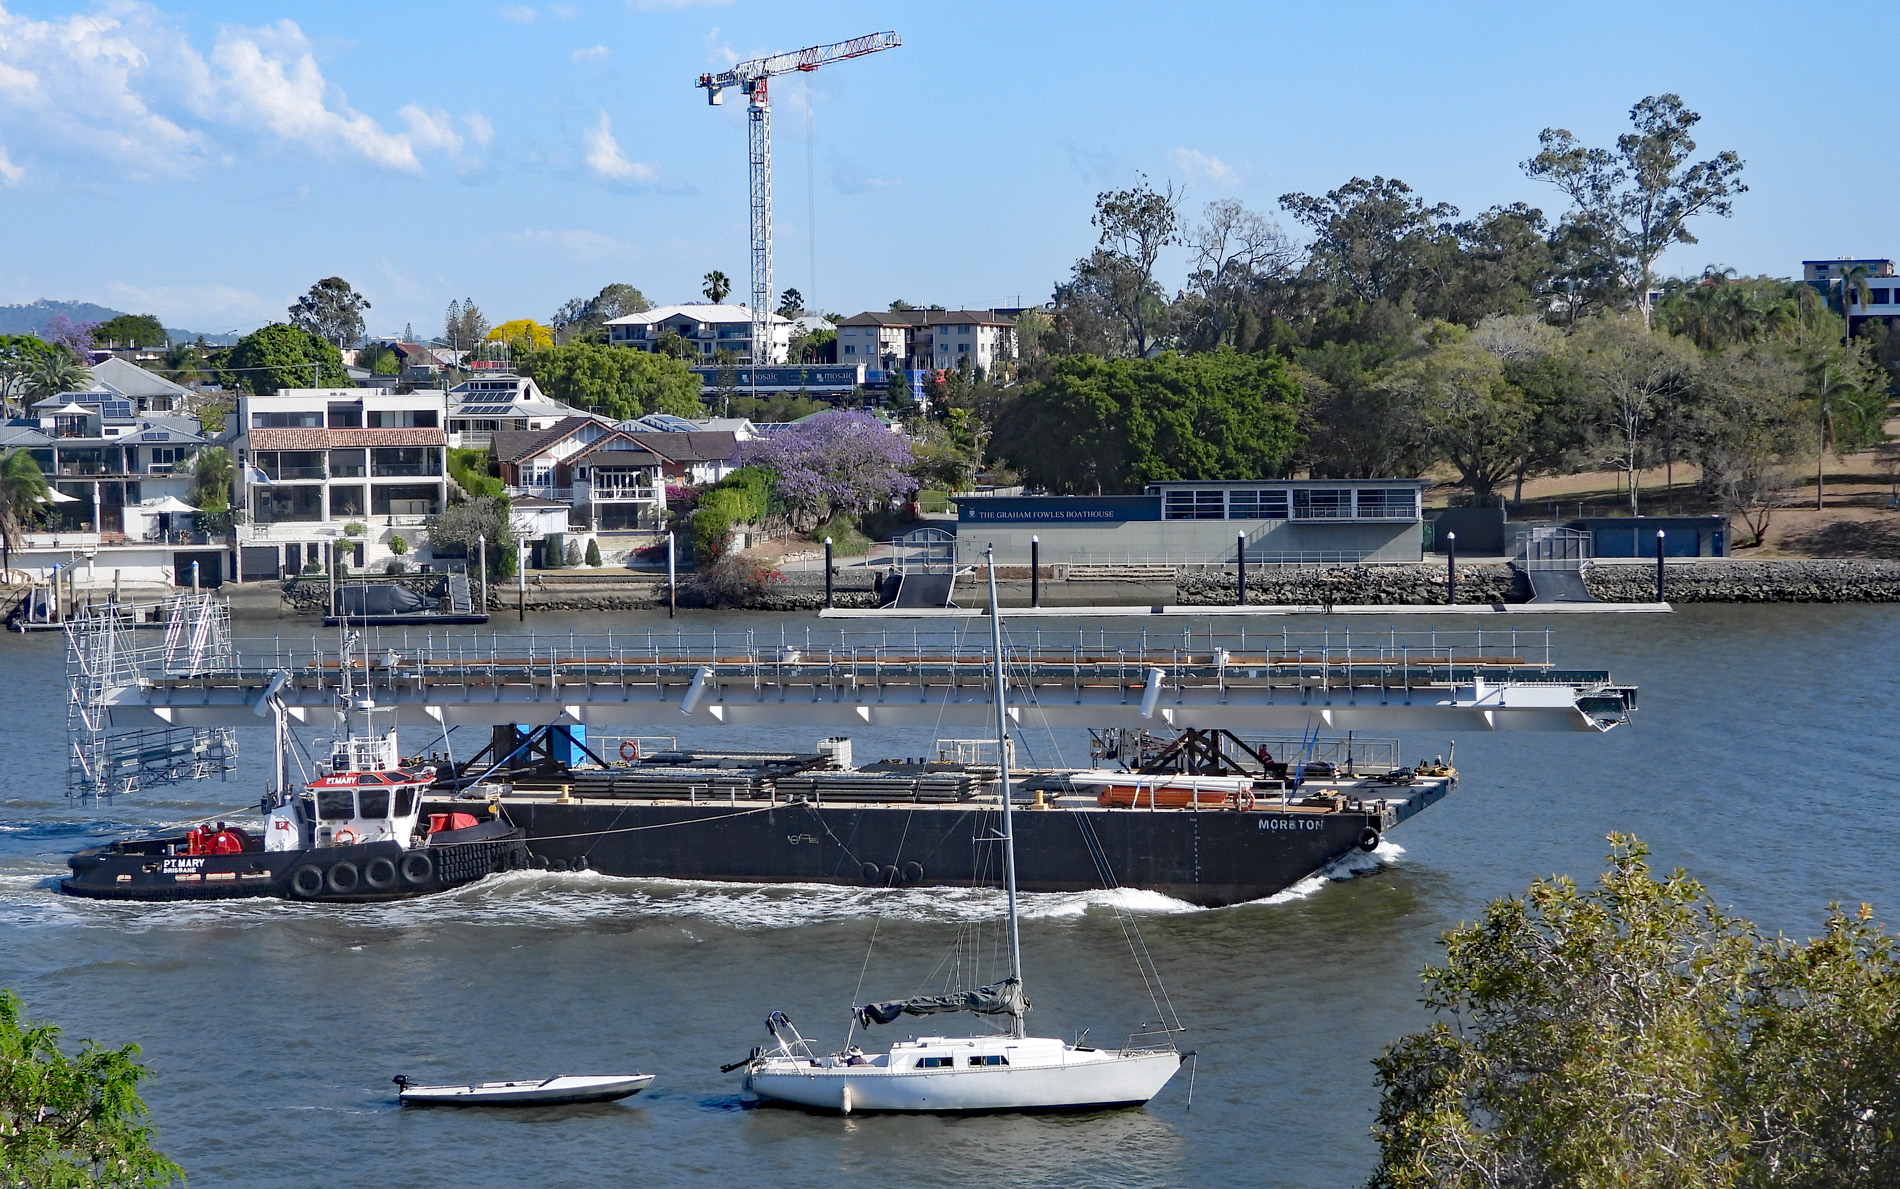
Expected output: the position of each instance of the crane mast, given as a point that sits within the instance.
(752, 78)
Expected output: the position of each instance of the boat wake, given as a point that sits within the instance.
(1352, 866)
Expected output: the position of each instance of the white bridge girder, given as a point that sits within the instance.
(744, 700)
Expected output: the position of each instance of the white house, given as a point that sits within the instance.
(940, 339)
(319, 464)
(478, 408)
(706, 330)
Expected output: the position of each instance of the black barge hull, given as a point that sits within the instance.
(1209, 857)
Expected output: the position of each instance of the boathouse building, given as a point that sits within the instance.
(1319, 521)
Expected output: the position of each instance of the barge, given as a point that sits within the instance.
(793, 819)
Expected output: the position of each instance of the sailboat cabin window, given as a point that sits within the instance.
(989, 1059)
(405, 802)
(375, 802)
(336, 805)
(935, 1062)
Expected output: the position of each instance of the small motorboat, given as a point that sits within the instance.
(556, 1091)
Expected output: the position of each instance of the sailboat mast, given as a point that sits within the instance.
(1002, 762)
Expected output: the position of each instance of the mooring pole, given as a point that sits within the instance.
(1240, 568)
(1451, 567)
(672, 580)
(330, 551)
(481, 567)
(1035, 571)
(521, 580)
(194, 577)
(827, 571)
(1659, 565)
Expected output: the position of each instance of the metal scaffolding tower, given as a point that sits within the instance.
(104, 655)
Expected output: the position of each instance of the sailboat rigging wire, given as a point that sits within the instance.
(1125, 917)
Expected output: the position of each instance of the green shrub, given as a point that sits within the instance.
(573, 557)
(355, 528)
(551, 552)
(469, 469)
(395, 565)
(593, 552)
(397, 545)
(712, 531)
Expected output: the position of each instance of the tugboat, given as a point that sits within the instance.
(353, 834)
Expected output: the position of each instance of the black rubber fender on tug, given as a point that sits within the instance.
(379, 874)
(343, 877)
(1369, 839)
(306, 882)
(418, 868)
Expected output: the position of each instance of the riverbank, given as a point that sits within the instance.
(1688, 580)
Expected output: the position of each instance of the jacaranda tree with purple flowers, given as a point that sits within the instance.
(845, 461)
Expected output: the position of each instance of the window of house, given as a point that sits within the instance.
(346, 416)
(309, 420)
(347, 500)
(963, 330)
(1388, 503)
(1194, 505)
(1878, 296)
(1256, 505)
(850, 349)
(1322, 503)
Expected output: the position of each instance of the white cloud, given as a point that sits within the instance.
(524, 14)
(431, 129)
(123, 86)
(674, 5)
(579, 244)
(481, 129)
(598, 53)
(720, 51)
(10, 174)
(1205, 166)
(605, 158)
(210, 307)
(850, 178)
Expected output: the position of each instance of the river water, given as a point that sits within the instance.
(1760, 760)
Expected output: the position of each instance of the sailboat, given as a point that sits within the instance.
(991, 1072)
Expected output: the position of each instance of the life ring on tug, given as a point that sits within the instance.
(1243, 801)
(629, 750)
(344, 837)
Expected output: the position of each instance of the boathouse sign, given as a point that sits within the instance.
(1058, 509)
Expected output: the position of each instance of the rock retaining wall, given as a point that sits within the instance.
(1794, 580)
(1395, 585)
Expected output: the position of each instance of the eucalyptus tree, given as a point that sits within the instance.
(1635, 201)
(1135, 225)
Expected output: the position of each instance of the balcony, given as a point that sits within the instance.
(281, 474)
(546, 491)
(649, 493)
(404, 470)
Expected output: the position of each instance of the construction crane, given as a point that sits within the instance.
(751, 78)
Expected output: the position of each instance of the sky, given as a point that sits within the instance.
(208, 161)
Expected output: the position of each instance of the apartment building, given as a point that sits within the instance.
(926, 339)
(105, 461)
(705, 329)
(318, 463)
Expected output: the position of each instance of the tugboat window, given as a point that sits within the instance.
(375, 802)
(405, 802)
(336, 805)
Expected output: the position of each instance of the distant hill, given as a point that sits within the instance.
(31, 317)
(27, 319)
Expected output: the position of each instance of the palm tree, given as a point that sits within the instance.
(1851, 290)
(55, 372)
(718, 284)
(22, 494)
(213, 477)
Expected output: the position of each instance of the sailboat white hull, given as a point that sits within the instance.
(1040, 1075)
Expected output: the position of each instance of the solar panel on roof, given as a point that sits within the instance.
(483, 410)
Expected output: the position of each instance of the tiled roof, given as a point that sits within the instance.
(318, 439)
(696, 446)
(513, 445)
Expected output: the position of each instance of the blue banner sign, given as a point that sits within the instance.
(1058, 509)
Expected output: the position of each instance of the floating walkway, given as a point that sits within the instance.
(1238, 680)
(1251, 610)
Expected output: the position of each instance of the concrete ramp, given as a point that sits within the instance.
(1559, 586)
(917, 591)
